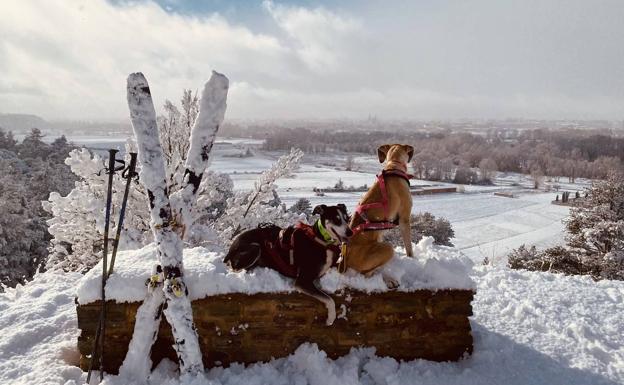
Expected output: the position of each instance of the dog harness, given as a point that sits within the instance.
(282, 250)
(361, 209)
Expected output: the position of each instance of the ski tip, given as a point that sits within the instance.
(218, 80)
(138, 80)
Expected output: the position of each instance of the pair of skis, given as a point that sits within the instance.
(170, 215)
(128, 174)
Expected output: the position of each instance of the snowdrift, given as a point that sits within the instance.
(251, 317)
(528, 328)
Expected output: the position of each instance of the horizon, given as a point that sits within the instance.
(299, 60)
(375, 119)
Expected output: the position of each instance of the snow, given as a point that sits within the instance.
(528, 328)
(481, 220)
(434, 267)
(485, 225)
(39, 331)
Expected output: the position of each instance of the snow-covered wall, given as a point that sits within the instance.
(432, 325)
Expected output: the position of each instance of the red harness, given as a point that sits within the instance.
(282, 249)
(361, 209)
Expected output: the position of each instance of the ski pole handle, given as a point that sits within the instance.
(111, 160)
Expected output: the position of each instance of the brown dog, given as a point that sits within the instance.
(366, 252)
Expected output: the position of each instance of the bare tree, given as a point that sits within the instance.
(487, 168)
(538, 177)
(349, 163)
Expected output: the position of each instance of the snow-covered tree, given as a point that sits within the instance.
(247, 209)
(302, 206)
(30, 171)
(423, 224)
(77, 223)
(7, 141)
(22, 230)
(596, 224)
(595, 239)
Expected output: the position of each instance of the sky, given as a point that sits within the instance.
(421, 59)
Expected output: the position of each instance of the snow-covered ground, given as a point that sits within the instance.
(528, 327)
(485, 225)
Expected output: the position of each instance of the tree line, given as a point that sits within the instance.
(29, 171)
(570, 153)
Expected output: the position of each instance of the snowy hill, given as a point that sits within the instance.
(22, 123)
(529, 328)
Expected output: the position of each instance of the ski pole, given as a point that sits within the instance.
(128, 174)
(99, 335)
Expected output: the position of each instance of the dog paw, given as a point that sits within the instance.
(390, 282)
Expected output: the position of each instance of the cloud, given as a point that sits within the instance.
(442, 59)
(318, 36)
(78, 54)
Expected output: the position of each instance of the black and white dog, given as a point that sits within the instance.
(302, 252)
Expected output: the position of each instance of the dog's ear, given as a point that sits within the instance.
(319, 209)
(342, 207)
(410, 151)
(382, 151)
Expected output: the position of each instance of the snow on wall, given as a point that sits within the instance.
(433, 267)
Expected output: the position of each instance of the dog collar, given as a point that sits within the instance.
(326, 237)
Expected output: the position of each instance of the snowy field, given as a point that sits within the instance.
(485, 225)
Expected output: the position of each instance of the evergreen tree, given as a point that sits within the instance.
(7, 141)
(302, 206)
(596, 226)
(595, 239)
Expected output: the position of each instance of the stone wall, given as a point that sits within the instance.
(250, 328)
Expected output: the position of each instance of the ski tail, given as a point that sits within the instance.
(138, 363)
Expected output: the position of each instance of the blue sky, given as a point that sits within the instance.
(68, 59)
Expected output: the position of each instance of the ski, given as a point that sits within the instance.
(167, 293)
(211, 113)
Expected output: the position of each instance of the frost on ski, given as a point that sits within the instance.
(203, 134)
(211, 114)
(179, 315)
(138, 364)
(152, 174)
